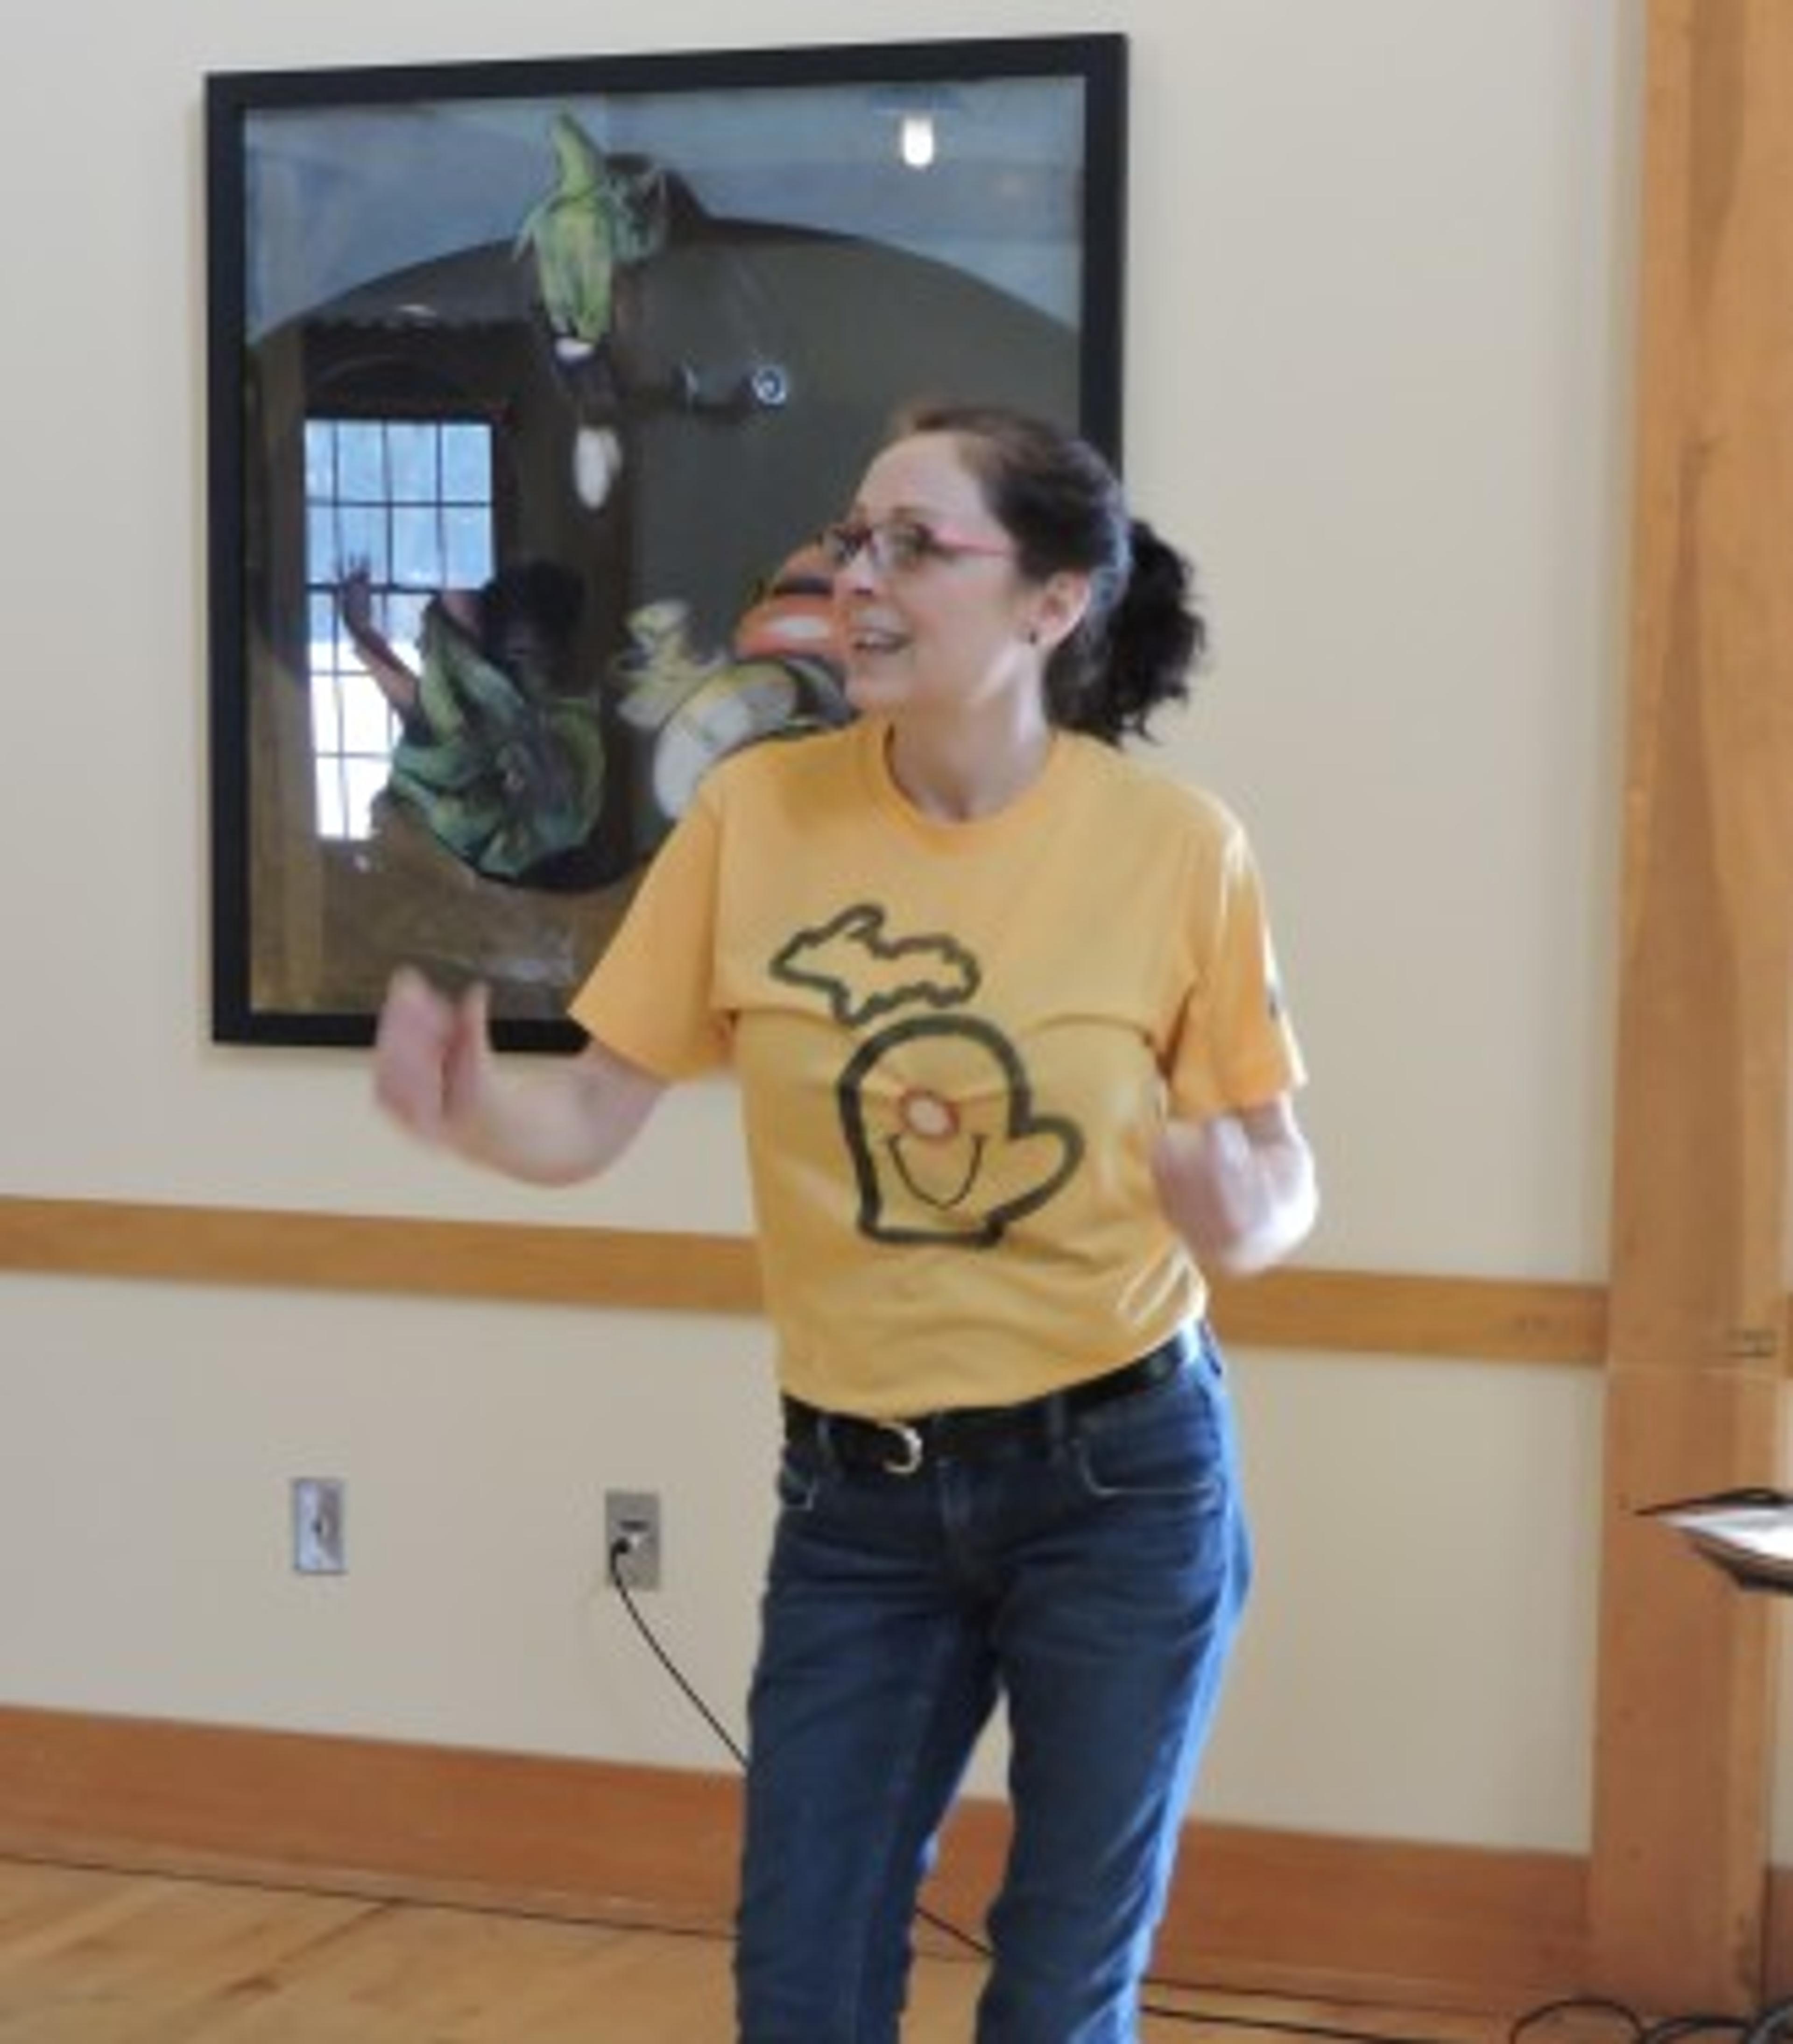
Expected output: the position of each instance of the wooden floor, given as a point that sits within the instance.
(94, 1958)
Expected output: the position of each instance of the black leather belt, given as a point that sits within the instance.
(901, 1447)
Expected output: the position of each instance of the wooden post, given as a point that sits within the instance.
(1697, 1325)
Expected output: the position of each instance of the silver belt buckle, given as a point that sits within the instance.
(908, 1458)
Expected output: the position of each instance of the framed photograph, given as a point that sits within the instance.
(529, 383)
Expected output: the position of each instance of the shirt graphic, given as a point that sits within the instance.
(936, 1105)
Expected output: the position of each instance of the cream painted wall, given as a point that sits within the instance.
(1379, 340)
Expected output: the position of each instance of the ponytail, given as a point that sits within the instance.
(1137, 649)
(1142, 638)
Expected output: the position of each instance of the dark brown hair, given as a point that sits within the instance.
(1142, 638)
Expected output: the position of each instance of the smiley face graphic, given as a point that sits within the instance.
(946, 1143)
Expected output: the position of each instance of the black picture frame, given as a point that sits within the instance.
(526, 379)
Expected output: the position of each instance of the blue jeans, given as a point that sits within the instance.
(1094, 1581)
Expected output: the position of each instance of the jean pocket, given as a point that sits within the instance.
(1174, 1447)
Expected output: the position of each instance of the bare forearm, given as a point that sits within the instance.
(1241, 1190)
(560, 1124)
(434, 1074)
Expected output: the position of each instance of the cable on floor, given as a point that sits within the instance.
(1768, 2025)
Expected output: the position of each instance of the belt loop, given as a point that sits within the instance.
(1057, 1414)
(825, 1446)
(1207, 1351)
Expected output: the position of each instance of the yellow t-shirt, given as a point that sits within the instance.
(955, 1043)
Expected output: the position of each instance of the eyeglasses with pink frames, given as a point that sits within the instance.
(901, 545)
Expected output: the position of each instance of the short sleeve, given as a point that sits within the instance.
(651, 997)
(1234, 1046)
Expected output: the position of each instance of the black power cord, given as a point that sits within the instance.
(1769, 2025)
(623, 1546)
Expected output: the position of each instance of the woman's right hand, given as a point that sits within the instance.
(435, 1075)
(433, 1065)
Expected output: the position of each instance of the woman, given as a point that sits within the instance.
(1015, 1075)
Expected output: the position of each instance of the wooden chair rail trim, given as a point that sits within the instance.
(590, 1840)
(1490, 1320)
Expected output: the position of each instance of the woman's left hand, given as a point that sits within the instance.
(1240, 1189)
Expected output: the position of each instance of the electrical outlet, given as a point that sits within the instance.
(317, 1526)
(632, 1518)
